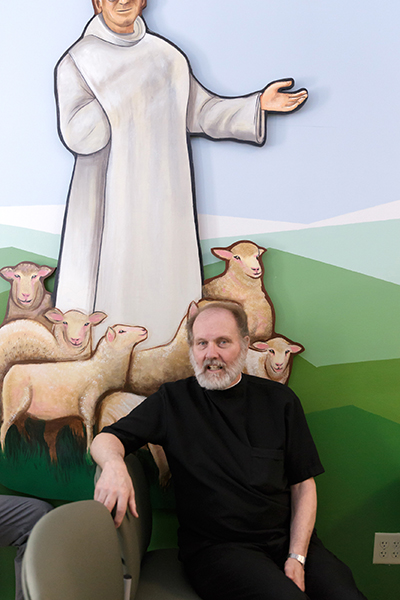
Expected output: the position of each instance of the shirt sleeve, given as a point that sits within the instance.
(238, 118)
(145, 423)
(301, 456)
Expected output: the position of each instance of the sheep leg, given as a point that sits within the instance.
(15, 396)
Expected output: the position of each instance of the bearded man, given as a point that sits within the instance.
(127, 103)
(243, 464)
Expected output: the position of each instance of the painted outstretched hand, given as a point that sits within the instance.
(275, 99)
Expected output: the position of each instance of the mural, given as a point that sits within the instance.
(127, 104)
(321, 195)
(54, 377)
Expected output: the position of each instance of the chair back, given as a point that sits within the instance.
(73, 554)
(134, 533)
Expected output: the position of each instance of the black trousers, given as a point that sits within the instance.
(231, 571)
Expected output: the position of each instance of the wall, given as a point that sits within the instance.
(321, 195)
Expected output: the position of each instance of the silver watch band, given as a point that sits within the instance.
(299, 557)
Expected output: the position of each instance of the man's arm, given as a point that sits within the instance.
(304, 510)
(114, 487)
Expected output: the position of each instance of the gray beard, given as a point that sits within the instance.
(221, 379)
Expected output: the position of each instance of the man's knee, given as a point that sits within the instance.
(327, 577)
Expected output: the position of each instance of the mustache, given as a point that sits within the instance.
(213, 362)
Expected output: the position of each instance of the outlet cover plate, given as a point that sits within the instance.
(387, 549)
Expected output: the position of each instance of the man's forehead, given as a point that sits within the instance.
(215, 320)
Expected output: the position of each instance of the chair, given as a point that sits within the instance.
(73, 554)
(158, 574)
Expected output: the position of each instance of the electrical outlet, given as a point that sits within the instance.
(387, 549)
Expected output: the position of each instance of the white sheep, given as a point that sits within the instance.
(28, 298)
(272, 359)
(61, 389)
(153, 366)
(242, 282)
(24, 340)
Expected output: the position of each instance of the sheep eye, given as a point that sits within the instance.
(17, 276)
(86, 324)
(33, 276)
(237, 257)
(287, 351)
(65, 322)
(121, 331)
(271, 351)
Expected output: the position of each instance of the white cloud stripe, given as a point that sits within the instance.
(49, 218)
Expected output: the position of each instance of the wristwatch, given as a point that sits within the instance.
(299, 557)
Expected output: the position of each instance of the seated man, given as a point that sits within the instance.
(18, 515)
(243, 462)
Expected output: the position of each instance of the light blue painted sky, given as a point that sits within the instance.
(338, 154)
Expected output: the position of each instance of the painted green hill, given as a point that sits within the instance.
(373, 386)
(360, 490)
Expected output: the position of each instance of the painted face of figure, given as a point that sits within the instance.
(218, 351)
(119, 15)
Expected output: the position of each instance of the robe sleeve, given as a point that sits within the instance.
(83, 124)
(225, 118)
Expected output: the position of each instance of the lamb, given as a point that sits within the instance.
(28, 297)
(153, 366)
(272, 360)
(242, 282)
(61, 389)
(25, 340)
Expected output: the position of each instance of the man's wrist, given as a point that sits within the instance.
(299, 557)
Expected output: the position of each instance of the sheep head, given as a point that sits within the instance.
(76, 326)
(243, 256)
(27, 283)
(278, 352)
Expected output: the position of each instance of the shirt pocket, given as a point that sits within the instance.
(267, 469)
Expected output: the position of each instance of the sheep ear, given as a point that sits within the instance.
(295, 349)
(7, 273)
(261, 250)
(54, 315)
(193, 309)
(97, 317)
(260, 345)
(45, 271)
(222, 253)
(110, 335)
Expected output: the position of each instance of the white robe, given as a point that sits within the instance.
(126, 104)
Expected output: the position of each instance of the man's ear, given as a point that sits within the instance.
(97, 6)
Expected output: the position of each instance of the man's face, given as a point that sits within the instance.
(120, 15)
(218, 351)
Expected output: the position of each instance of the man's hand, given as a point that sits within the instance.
(295, 571)
(273, 99)
(114, 489)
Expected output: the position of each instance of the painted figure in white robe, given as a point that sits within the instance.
(127, 104)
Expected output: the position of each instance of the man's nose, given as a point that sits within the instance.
(212, 350)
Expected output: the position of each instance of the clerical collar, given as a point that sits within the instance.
(98, 28)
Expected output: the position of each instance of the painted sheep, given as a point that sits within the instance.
(62, 389)
(272, 359)
(28, 297)
(242, 282)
